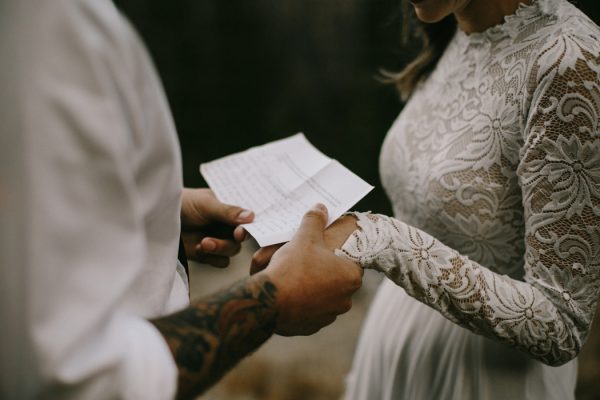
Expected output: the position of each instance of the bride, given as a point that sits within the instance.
(493, 170)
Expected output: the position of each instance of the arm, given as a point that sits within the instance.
(212, 335)
(80, 185)
(80, 241)
(550, 313)
(303, 289)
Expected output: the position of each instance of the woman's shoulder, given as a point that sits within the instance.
(568, 34)
(561, 39)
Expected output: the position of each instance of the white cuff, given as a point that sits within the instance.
(150, 371)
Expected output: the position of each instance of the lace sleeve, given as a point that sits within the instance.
(548, 315)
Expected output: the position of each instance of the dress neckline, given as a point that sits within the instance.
(512, 23)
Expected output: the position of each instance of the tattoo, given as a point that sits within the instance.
(211, 336)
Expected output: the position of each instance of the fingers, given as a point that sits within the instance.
(313, 224)
(220, 247)
(261, 258)
(201, 210)
(361, 272)
(356, 277)
(346, 306)
(325, 321)
(240, 234)
(337, 233)
(226, 213)
(210, 250)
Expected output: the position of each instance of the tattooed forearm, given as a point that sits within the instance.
(211, 336)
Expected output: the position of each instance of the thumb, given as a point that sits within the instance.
(313, 224)
(227, 214)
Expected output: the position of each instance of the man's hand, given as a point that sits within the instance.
(313, 284)
(210, 228)
(335, 236)
(303, 289)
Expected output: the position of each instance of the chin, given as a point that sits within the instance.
(429, 16)
(431, 11)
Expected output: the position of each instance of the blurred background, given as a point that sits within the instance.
(239, 73)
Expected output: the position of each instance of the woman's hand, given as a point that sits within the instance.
(338, 232)
(334, 237)
(209, 228)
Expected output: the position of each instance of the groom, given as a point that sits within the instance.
(93, 302)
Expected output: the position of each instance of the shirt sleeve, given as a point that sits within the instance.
(549, 314)
(82, 230)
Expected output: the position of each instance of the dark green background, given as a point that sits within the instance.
(244, 72)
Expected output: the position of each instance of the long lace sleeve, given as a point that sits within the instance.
(547, 314)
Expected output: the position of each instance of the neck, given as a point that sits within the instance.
(479, 15)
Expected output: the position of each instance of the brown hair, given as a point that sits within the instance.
(434, 38)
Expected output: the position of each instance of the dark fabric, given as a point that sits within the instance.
(183, 258)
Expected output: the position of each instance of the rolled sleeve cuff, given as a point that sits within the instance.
(150, 370)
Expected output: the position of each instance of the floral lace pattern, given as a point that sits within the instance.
(493, 169)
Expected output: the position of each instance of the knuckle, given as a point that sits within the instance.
(347, 306)
(353, 277)
(343, 306)
(357, 281)
(231, 212)
(325, 321)
(256, 260)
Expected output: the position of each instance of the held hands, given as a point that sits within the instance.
(313, 284)
(334, 237)
(209, 228)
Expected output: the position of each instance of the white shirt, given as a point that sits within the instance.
(90, 186)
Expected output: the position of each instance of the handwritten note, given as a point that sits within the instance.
(280, 181)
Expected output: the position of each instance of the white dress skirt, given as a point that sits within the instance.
(408, 350)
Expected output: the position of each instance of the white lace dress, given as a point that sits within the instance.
(493, 256)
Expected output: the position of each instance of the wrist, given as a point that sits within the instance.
(273, 287)
(264, 291)
(364, 244)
